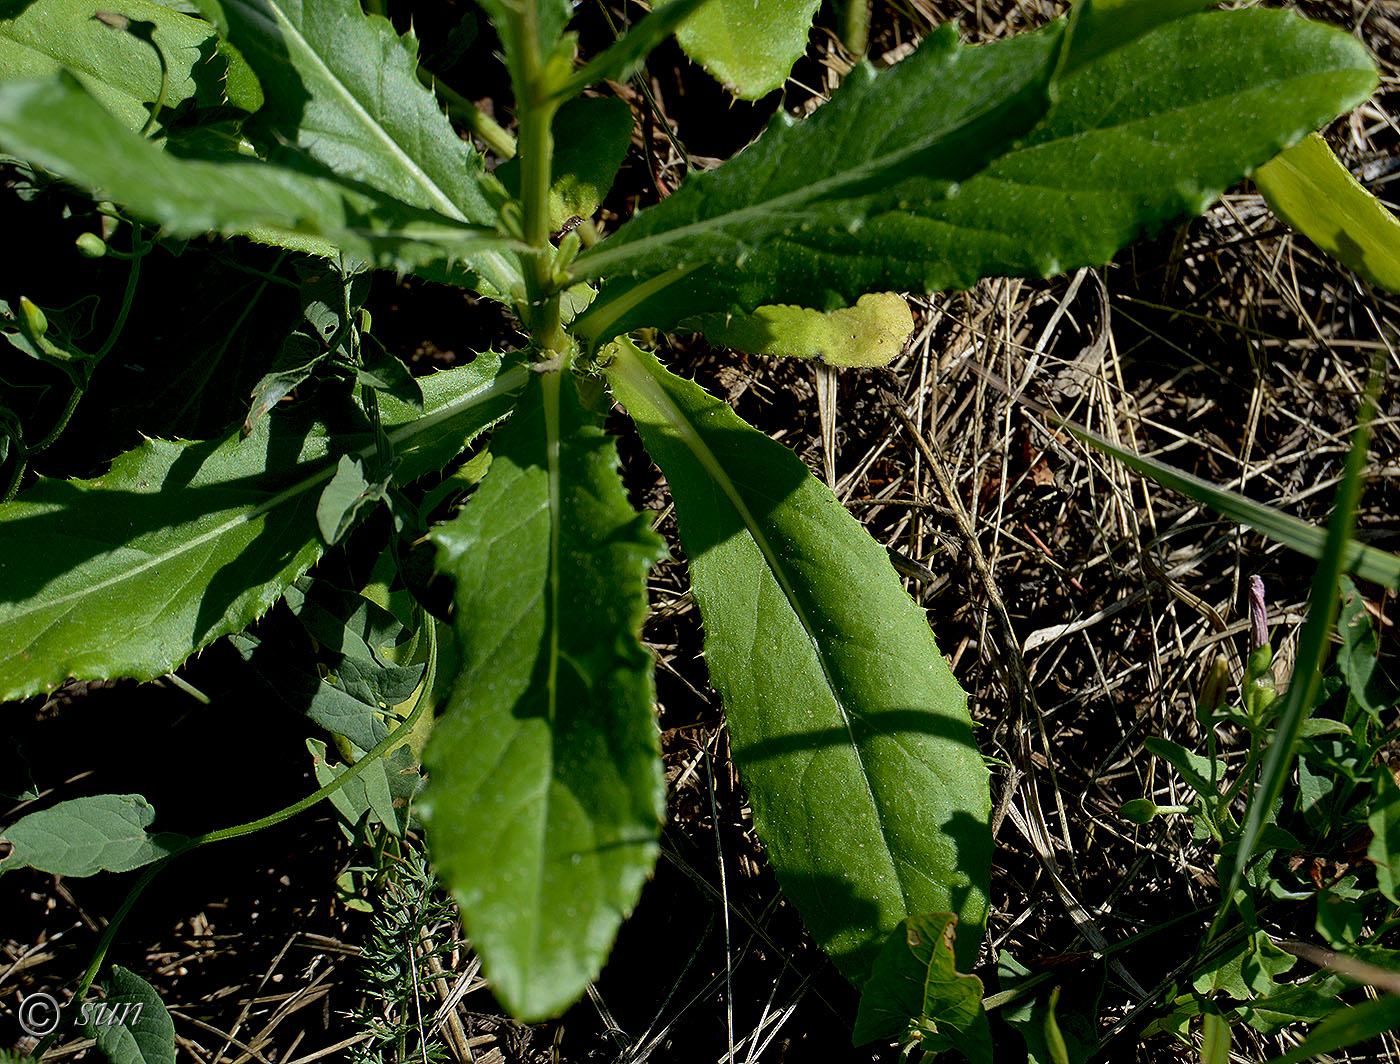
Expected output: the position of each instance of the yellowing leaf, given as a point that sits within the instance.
(1309, 188)
(871, 333)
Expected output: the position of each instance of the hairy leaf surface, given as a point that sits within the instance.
(343, 88)
(545, 793)
(60, 127)
(848, 727)
(181, 542)
(920, 178)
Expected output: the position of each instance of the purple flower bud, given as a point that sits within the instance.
(1258, 614)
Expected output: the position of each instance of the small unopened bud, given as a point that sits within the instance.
(1258, 614)
(90, 245)
(1138, 811)
(34, 318)
(1142, 810)
(1213, 689)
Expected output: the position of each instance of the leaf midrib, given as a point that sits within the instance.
(599, 263)
(662, 402)
(503, 382)
(435, 191)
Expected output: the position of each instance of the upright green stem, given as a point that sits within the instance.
(537, 105)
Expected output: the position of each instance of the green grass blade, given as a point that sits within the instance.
(1346, 1027)
(1366, 562)
(1301, 696)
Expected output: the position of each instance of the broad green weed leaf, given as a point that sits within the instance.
(384, 790)
(748, 45)
(591, 135)
(921, 178)
(785, 221)
(343, 87)
(1358, 656)
(545, 793)
(1097, 27)
(118, 68)
(871, 333)
(84, 836)
(296, 359)
(346, 622)
(181, 542)
(1311, 1000)
(1384, 822)
(1249, 970)
(1340, 921)
(132, 1024)
(847, 726)
(1203, 777)
(1309, 188)
(915, 992)
(60, 127)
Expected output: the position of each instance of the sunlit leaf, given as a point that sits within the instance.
(1309, 188)
(545, 793)
(84, 836)
(848, 728)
